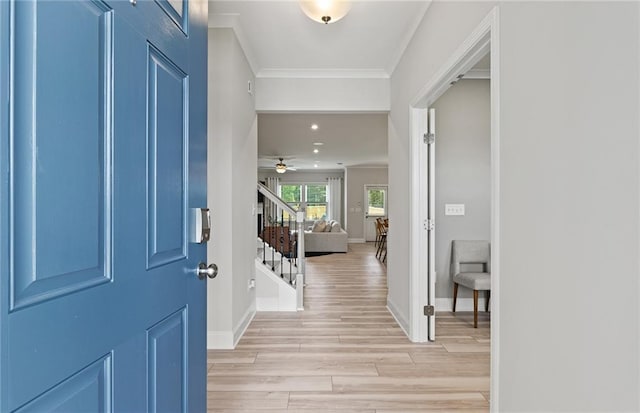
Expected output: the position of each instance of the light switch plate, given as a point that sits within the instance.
(454, 209)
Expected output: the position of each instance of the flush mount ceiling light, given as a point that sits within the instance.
(314, 127)
(325, 11)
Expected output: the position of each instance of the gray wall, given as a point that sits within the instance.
(444, 27)
(356, 178)
(569, 209)
(569, 184)
(463, 172)
(232, 166)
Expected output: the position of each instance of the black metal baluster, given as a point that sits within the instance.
(289, 248)
(262, 232)
(281, 243)
(272, 236)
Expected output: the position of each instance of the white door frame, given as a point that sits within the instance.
(483, 39)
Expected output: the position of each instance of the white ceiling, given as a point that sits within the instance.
(279, 39)
(352, 139)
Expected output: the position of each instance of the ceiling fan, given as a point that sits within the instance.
(281, 167)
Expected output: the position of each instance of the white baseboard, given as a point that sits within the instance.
(400, 319)
(462, 304)
(356, 241)
(243, 325)
(227, 340)
(220, 340)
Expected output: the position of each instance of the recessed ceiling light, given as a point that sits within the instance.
(318, 143)
(315, 165)
(316, 150)
(314, 127)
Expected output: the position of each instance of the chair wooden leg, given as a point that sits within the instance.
(381, 247)
(486, 303)
(475, 308)
(455, 295)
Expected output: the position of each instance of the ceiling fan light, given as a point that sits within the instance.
(281, 168)
(325, 11)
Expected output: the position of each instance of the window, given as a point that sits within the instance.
(376, 202)
(314, 195)
(292, 195)
(316, 199)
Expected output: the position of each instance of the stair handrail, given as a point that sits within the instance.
(273, 197)
(300, 220)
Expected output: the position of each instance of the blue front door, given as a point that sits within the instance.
(102, 159)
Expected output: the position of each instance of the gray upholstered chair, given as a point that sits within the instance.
(471, 252)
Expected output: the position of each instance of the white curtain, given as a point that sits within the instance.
(270, 208)
(334, 195)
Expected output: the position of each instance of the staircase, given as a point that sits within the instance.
(279, 254)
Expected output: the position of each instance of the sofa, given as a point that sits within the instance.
(327, 237)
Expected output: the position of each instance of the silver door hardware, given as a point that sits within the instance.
(203, 271)
(429, 310)
(201, 224)
(429, 138)
(429, 224)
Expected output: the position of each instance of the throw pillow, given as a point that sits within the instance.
(335, 227)
(318, 226)
(328, 227)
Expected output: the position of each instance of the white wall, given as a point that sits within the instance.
(463, 172)
(356, 178)
(322, 94)
(569, 208)
(569, 205)
(232, 165)
(444, 27)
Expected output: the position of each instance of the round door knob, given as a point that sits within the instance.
(203, 271)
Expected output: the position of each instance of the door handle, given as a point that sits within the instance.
(203, 271)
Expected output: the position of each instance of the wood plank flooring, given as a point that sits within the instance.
(346, 354)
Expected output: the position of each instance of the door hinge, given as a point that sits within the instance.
(429, 310)
(429, 224)
(429, 138)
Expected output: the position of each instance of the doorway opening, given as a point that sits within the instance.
(376, 204)
(424, 302)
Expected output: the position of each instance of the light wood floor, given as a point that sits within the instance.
(345, 353)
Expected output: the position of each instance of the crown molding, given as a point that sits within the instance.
(231, 21)
(368, 166)
(322, 74)
(393, 63)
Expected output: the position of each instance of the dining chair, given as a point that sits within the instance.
(471, 252)
(382, 244)
(378, 223)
